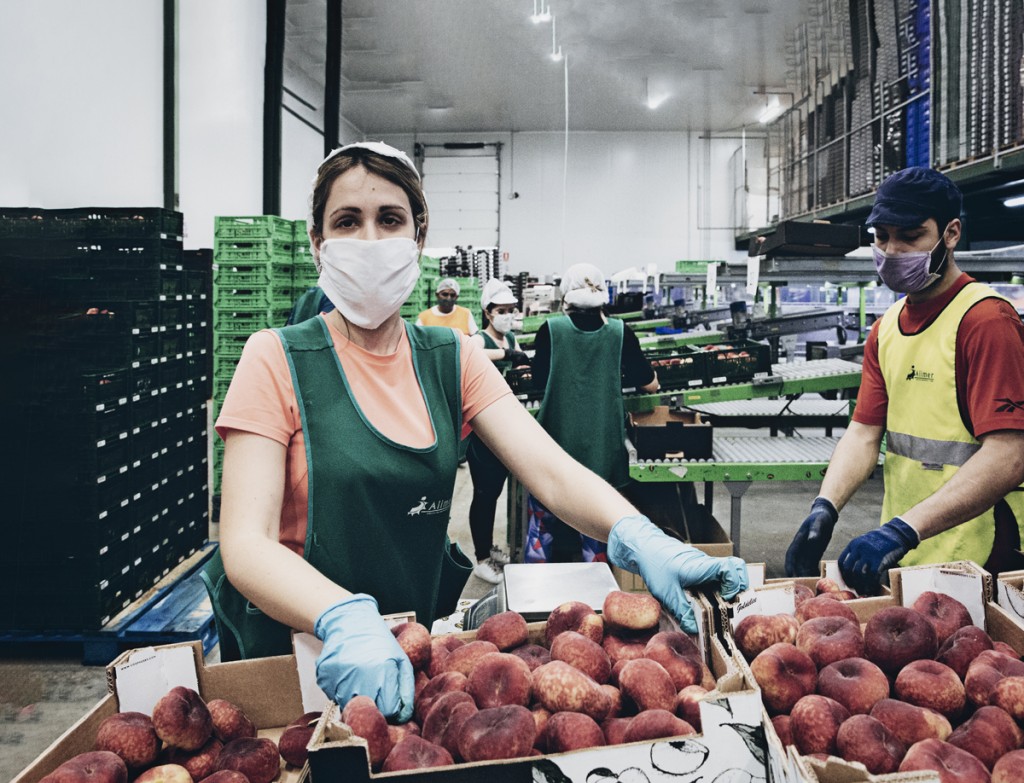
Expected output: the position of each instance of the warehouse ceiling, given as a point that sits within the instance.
(423, 66)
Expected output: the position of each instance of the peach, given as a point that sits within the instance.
(867, 740)
(533, 654)
(678, 655)
(1010, 768)
(910, 724)
(229, 722)
(830, 639)
(540, 720)
(165, 773)
(422, 678)
(843, 595)
(656, 724)
(567, 731)
(131, 736)
(182, 720)
(801, 593)
(988, 734)
(785, 675)
(688, 704)
(962, 647)
(449, 714)
(199, 763)
(646, 684)
(823, 606)
(614, 700)
(613, 678)
(505, 631)
(1008, 694)
(814, 723)
(414, 639)
(574, 616)
(440, 647)
(1006, 649)
(856, 683)
(464, 658)
(945, 613)
(294, 739)
(366, 721)
(952, 764)
(498, 733)
(416, 753)
(985, 671)
(826, 585)
(102, 766)
(582, 653)
(257, 757)
(896, 636)
(757, 632)
(499, 679)
(630, 611)
(783, 726)
(225, 776)
(559, 687)
(626, 647)
(442, 683)
(615, 730)
(933, 685)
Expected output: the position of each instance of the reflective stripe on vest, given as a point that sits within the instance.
(930, 453)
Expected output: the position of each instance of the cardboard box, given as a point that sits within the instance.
(267, 690)
(733, 740)
(663, 433)
(1009, 593)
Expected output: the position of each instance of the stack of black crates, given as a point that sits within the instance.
(106, 349)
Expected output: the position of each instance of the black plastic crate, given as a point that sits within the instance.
(144, 379)
(678, 368)
(665, 433)
(198, 259)
(736, 362)
(147, 444)
(23, 222)
(520, 381)
(115, 222)
(145, 410)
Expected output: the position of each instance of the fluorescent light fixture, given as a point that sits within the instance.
(1016, 201)
(652, 100)
(771, 110)
(556, 55)
(540, 13)
(556, 51)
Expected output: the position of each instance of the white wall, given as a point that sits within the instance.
(632, 199)
(82, 95)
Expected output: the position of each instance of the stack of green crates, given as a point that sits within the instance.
(253, 288)
(304, 274)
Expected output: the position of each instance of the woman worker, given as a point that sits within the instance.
(500, 346)
(340, 446)
(582, 361)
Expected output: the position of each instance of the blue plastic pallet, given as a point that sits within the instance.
(176, 612)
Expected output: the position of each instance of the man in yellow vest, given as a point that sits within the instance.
(446, 312)
(943, 381)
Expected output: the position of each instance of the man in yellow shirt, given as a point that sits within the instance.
(446, 312)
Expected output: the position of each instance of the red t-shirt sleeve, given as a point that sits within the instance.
(990, 367)
(872, 397)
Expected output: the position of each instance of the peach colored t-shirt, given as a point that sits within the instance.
(261, 400)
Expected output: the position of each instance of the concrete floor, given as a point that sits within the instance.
(44, 691)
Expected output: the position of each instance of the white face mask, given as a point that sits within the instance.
(502, 323)
(367, 279)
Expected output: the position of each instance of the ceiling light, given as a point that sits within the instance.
(540, 13)
(556, 55)
(1016, 201)
(772, 109)
(556, 51)
(652, 100)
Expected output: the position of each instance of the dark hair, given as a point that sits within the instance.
(391, 169)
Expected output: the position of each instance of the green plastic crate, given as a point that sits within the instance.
(694, 266)
(249, 228)
(251, 298)
(252, 275)
(255, 252)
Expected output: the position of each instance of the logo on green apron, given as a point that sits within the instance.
(434, 507)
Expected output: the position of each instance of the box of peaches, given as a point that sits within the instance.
(618, 693)
(924, 683)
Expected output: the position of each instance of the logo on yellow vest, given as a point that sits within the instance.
(916, 375)
(433, 507)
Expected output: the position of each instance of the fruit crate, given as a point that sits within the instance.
(23, 223)
(250, 298)
(679, 368)
(243, 276)
(259, 251)
(116, 222)
(247, 229)
(520, 381)
(229, 344)
(735, 362)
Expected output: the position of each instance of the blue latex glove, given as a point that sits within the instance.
(867, 557)
(667, 566)
(803, 558)
(361, 657)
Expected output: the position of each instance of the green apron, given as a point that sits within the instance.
(378, 510)
(582, 408)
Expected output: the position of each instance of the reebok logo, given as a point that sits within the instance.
(1009, 406)
(917, 375)
(433, 507)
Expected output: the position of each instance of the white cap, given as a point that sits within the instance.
(495, 292)
(583, 286)
(379, 147)
(448, 284)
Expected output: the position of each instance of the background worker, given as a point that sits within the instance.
(340, 446)
(499, 345)
(582, 360)
(943, 377)
(447, 311)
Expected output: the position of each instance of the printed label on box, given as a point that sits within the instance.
(966, 586)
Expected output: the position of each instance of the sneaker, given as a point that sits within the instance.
(500, 556)
(489, 571)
